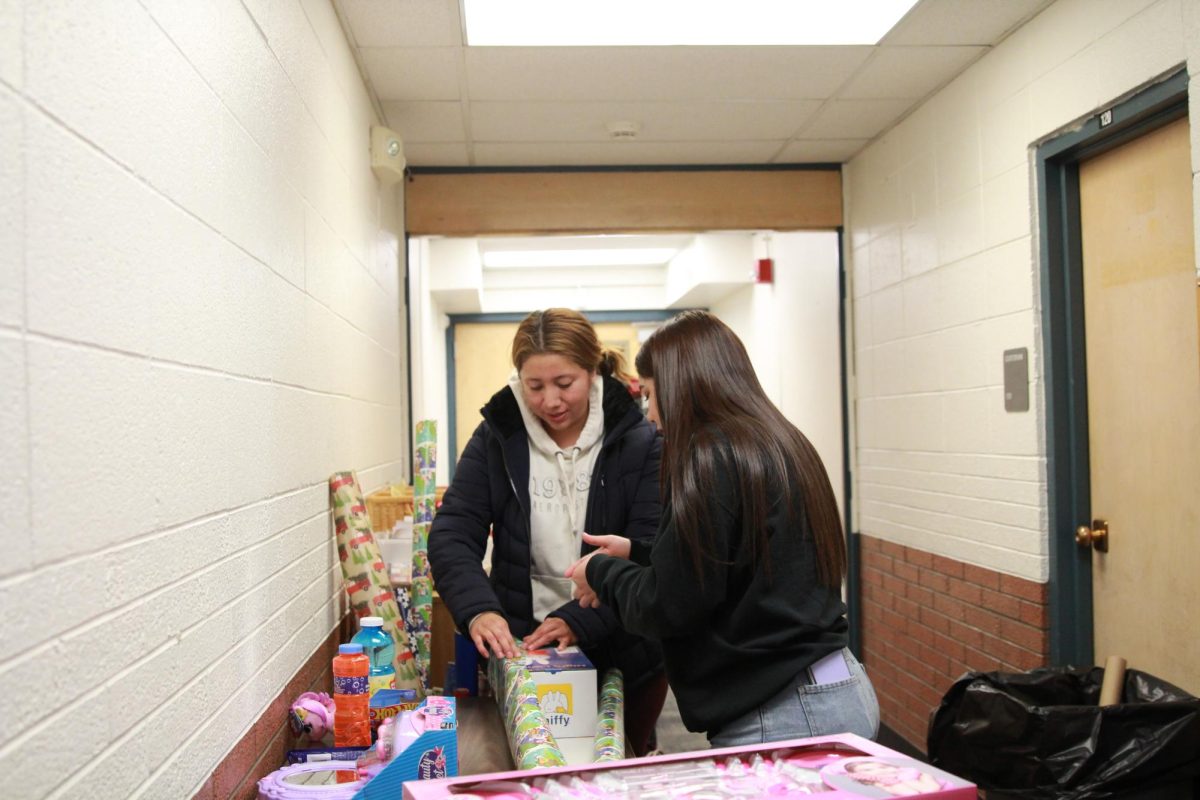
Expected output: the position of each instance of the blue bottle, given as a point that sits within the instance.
(381, 651)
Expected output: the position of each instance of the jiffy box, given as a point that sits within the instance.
(566, 690)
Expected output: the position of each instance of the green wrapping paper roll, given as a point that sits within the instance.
(531, 742)
(424, 493)
(365, 575)
(529, 739)
(610, 719)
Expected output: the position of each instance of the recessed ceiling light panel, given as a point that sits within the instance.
(559, 23)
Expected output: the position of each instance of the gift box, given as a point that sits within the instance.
(566, 689)
(565, 686)
(841, 767)
(431, 755)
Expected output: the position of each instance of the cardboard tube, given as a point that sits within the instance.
(1114, 681)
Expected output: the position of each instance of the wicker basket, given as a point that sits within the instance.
(387, 508)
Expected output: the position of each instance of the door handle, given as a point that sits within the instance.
(1095, 536)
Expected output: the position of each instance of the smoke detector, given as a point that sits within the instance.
(623, 130)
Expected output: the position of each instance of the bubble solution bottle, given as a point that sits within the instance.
(352, 718)
(381, 652)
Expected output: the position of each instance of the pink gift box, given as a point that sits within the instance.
(842, 767)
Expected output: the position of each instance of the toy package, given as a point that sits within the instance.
(415, 745)
(843, 767)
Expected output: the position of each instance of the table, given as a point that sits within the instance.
(482, 740)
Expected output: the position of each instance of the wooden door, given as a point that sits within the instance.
(1143, 378)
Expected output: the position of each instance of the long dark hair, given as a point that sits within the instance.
(707, 392)
(566, 332)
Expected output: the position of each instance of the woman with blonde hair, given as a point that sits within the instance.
(742, 586)
(563, 448)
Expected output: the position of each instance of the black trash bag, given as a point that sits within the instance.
(1040, 735)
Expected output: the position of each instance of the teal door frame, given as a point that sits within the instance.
(1068, 477)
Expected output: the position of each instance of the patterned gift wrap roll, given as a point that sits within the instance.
(531, 742)
(420, 613)
(403, 592)
(424, 492)
(610, 718)
(365, 574)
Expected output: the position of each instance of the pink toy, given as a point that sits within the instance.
(840, 767)
(312, 714)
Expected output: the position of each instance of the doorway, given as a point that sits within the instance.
(479, 359)
(1123, 386)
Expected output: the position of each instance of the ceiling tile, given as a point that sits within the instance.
(965, 22)
(659, 73)
(623, 153)
(402, 23)
(855, 119)
(686, 121)
(425, 154)
(416, 73)
(548, 106)
(912, 72)
(419, 121)
(820, 151)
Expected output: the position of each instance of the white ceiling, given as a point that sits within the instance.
(458, 106)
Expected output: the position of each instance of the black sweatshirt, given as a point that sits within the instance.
(732, 637)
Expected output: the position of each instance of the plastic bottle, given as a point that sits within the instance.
(381, 652)
(352, 718)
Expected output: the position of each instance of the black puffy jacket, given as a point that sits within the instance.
(491, 490)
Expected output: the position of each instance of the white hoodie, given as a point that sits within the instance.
(559, 483)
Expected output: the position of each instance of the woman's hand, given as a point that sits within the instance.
(553, 629)
(609, 545)
(490, 630)
(577, 572)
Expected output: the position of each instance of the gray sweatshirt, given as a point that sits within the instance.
(559, 482)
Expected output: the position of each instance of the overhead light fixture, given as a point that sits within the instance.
(603, 257)
(555, 23)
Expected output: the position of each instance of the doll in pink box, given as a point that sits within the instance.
(896, 780)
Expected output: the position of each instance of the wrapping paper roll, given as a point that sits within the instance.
(404, 601)
(424, 492)
(366, 576)
(531, 742)
(610, 718)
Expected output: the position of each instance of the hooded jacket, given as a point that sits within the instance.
(491, 490)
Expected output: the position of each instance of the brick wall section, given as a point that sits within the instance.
(263, 748)
(927, 619)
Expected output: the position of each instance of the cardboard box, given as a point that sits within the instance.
(825, 763)
(577, 750)
(566, 690)
(433, 754)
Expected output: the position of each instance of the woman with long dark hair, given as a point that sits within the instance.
(742, 585)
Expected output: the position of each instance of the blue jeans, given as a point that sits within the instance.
(802, 710)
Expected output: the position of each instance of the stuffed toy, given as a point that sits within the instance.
(312, 714)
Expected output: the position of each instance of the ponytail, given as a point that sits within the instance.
(612, 365)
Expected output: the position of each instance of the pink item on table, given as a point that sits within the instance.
(312, 781)
(312, 714)
(790, 769)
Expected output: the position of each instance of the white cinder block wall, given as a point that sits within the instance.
(942, 248)
(200, 320)
(790, 328)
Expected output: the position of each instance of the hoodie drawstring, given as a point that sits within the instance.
(569, 486)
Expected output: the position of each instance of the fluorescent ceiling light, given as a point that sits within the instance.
(548, 23)
(519, 259)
